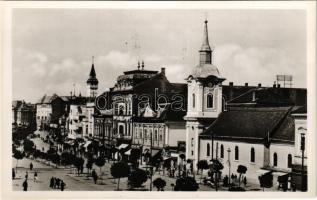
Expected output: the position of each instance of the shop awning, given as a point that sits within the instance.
(87, 143)
(262, 171)
(70, 142)
(146, 151)
(155, 152)
(279, 173)
(71, 136)
(123, 146)
(128, 152)
(174, 155)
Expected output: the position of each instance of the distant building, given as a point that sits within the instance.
(122, 101)
(49, 109)
(23, 114)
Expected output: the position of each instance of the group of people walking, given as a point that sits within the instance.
(57, 183)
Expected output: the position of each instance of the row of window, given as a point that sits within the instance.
(252, 155)
(148, 136)
(42, 117)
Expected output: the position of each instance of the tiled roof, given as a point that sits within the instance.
(252, 125)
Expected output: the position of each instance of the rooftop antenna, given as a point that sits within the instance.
(93, 59)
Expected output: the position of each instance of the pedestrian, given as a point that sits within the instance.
(62, 185)
(245, 181)
(232, 178)
(31, 166)
(26, 175)
(94, 176)
(225, 181)
(52, 182)
(58, 181)
(13, 173)
(35, 176)
(25, 185)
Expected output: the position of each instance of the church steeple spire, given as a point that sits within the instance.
(205, 50)
(92, 82)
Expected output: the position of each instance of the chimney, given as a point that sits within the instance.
(274, 85)
(246, 84)
(278, 86)
(142, 65)
(230, 83)
(163, 70)
(259, 85)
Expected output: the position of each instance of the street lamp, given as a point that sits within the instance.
(229, 150)
(302, 148)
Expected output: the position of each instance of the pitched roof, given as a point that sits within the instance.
(47, 99)
(92, 76)
(260, 97)
(298, 96)
(252, 125)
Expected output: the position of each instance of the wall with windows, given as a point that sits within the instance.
(142, 133)
(249, 155)
(279, 156)
(43, 113)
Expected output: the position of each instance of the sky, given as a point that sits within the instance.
(52, 49)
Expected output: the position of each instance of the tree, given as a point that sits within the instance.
(18, 155)
(135, 155)
(186, 184)
(36, 153)
(100, 161)
(241, 170)
(119, 170)
(55, 158)
(201, 165)
(266, 180)
(28, 146)
(78, 163)
(216, 168)
(137, 178)
(159, 184)
(66, 158)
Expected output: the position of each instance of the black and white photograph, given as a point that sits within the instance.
(146, 99)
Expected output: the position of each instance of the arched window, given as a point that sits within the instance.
(193, 97)
(208, 149)
(221, 151)
(252, 155)
(289, 161)
(236, 153)
(275, 159)
(210, 101)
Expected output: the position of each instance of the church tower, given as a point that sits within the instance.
(92, 82)
(204, 98)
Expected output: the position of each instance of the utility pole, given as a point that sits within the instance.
(229, 150)
(151, 160)
(302, 147)
(212, 146)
